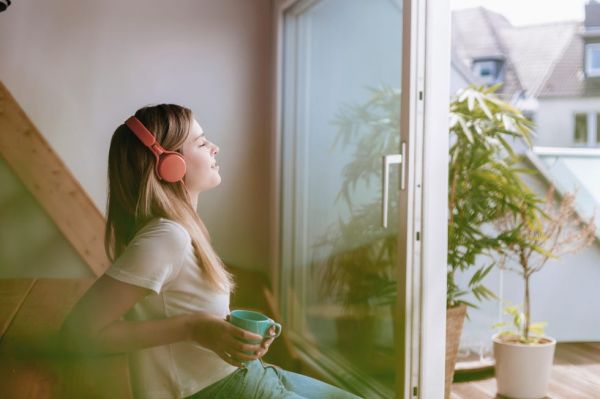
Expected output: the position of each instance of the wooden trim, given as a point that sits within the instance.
(274, 310)
(52, 184)
(14, 292)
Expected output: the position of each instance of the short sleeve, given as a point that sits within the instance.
(153, 257)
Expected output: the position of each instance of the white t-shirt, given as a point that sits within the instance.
(161, 257)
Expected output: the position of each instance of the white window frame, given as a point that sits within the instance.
(591, 129)
(434, 201)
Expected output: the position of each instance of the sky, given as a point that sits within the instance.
(528, 12)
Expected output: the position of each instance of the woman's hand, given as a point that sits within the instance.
(223, 338)
(267, 342)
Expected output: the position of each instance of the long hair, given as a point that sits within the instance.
(136, 195)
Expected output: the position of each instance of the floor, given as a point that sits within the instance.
(575, 375)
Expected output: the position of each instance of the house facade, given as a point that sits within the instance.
(551, 71)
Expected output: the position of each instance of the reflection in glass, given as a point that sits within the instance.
(344, 57)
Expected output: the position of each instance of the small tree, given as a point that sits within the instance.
(556, 232)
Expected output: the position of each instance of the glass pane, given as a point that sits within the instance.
(346, 68)
(580, 128)
(595, 54)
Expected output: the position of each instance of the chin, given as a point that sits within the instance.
(214, 183)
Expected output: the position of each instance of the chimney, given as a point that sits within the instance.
(592, 16)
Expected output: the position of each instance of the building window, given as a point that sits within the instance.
(597, 128)
(580, 135)
(488, 70)
(592, 57)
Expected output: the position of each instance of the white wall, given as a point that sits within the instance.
(555, 119)
(564, 294)
(457, 80)
(79, 69)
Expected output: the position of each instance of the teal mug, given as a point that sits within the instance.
(255, 322)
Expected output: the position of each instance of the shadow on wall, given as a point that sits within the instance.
(30, 243)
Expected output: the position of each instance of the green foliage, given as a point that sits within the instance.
(484, 183)
(517, 324)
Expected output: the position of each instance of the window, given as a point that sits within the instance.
(597, 128)
(487, 69)
(592, 63)
(580, 128)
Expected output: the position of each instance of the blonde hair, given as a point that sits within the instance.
(136, 195)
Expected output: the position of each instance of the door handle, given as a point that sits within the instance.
(388, 160)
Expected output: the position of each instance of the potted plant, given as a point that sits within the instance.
(485, 184)
(523, 354)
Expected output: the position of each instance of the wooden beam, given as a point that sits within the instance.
(12, 294)
(49, 180)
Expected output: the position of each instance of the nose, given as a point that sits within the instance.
(215, 149)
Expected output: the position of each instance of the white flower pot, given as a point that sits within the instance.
(523, 371)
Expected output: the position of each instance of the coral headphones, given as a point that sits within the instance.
(170, 165)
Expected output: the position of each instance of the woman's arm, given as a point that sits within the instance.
(94, 325)
(125, 336)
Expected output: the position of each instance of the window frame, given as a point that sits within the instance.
(478, 63)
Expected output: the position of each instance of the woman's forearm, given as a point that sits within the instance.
(126, 336)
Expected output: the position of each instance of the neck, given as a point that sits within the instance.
(193, 196)
(194, 199)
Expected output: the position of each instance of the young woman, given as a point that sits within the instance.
(165, 298)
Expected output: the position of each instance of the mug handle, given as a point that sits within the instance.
(277, 329)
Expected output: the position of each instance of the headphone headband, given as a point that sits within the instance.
(140, 131)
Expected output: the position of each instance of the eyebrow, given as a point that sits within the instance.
(197, 137)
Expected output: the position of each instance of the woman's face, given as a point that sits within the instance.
(199, 153)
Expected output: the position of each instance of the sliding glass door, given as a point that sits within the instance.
(346, 230)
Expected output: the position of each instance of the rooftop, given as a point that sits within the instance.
(540, 60)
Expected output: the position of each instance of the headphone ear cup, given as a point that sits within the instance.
(171, 167)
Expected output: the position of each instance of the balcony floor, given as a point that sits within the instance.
(576, 374)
